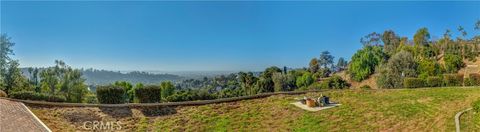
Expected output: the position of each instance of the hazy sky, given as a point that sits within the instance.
(212, 36)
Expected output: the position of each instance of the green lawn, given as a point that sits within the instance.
(470, 121)
(362, 110)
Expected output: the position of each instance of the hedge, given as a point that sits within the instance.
(413, 82)
(453, 79)
(434, 81)
(148, 94)
(31, 95)
(110, 95)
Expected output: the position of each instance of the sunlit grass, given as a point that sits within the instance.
(362, 110)
(431, 109)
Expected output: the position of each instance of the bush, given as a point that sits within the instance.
(190, 95)
(167, 89)
(472, 80)
(31, 95)
(110, 95)
(428, 68)
(476, 106)
(453, 62)
(335, 82)
(365, 87)
(387, 79)
(410, 82)
(434, 81)
(316, 86)
(3, 94)
(305, 80)
(452, 79)
(148, 94)
(365, 61)
(90, 98)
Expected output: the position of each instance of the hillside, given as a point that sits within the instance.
(371, 81)
(104, 77)
(469, 67)
(362, 110)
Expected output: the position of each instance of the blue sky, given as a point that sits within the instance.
(212, 36)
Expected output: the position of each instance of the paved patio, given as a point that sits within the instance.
(16, 117)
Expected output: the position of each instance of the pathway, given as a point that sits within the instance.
(16, 117)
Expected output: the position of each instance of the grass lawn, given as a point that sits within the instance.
(430, 109)
(470, 121)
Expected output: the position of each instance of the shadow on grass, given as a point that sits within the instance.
(117, 112)
(158, 111)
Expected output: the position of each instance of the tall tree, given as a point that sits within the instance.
(313, 66)
(341, 64)
(64, 81)
(14, 80)
(247, 81)
(390, 42)
(5, 52)
(421, 37)
(325, 59)
(265, 83)
(372, 39)
(33, 78)
(280, 82)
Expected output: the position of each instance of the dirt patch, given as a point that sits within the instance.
(76, 116)
(371, 81)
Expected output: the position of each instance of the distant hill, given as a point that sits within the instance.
(95, 77)
(103, 77)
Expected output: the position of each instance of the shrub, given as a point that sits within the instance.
(3, 94)
(110, 94)
(148, 94)
(453, 62)
(365, 87)
(387, 79)
(365, 61)
(476, 106)
(190, 95)
(473, 79)
(305, 80)
(30, 95)
(428, 68)
(90, 98)
(335, 82)
(167, 89)
(400, 65)
(316, 86)
(410, 82)
(434, 81)
(452, 79)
